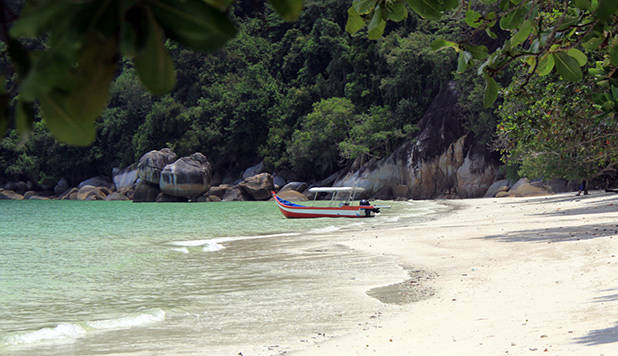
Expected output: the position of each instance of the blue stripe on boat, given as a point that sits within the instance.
(288, 203)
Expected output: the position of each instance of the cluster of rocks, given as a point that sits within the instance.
(526, 188)
(160, 176)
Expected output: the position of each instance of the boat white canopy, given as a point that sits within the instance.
(336, 189)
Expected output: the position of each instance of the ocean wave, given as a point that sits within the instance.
(63, 333)
(326, 229)
(66, 333)
(181, 249)
(212, 245)
(128, 322)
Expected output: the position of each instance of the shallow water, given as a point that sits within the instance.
(219, 278)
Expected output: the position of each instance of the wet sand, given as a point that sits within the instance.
(509, 276)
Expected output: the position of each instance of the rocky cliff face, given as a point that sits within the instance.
(442, 161)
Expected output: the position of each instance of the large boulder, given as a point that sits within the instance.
(89, 192)
(253, 170)
(164, 198)
(218, 190)
(125, 177)
(99, 181)
(259, 187)
(188, 177)
(292, 195)
(61, 187)
(498, 186)
(296, 186)
(526, 189)
(70, 194)
(116, 196)
(234, 193)
(6, 194)
(152, 163)
(145, 192)
(18, 187)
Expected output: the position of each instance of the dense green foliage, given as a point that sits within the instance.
(273, 94)
(305, 97)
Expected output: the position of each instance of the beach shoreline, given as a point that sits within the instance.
(511, 276)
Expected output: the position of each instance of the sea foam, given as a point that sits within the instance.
(66, 333)
(63, 333)
(129, 322)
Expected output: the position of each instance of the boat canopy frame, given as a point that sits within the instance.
(351, 192)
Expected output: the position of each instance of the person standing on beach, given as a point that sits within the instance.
(583, 188)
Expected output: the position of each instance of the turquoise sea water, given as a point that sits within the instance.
(212, 278)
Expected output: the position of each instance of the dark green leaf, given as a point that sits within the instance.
(478, 52)
(473, 19)
(35, 19)
(583, 4)
(512, 20)
(288, 9)
(491, 91)
(363, 7)
(450, 4)
(24, 118)
(463, 61)
(567, 67)
(546, 64)
(396, 11)
(524, 31)
(579, 56)
(606, 9)
(193, 23)
(153, 62)
(355, 21)
(376, 26)
(70, 113)
(425, 8)
(613, 54)
(220, 4)
(439, 44)
(490, 33)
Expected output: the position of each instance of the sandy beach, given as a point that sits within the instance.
(509, 276)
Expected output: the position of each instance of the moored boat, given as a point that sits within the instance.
(343, 210)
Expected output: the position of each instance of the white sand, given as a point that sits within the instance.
(516, 276)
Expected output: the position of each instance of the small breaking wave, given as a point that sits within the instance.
(128, 322)
(212, 245)
(66, 333)
(63, 333)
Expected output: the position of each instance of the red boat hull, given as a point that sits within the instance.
(291, 210)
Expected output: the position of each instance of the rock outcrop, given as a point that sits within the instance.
(89, 192)
(117, 196)
(296, 186)
(6, 194)
(258, 187)
(188, 177)
(234, 193)
(145, 192)
(125, 177)
(292, 195)
(61, 187)
(152, 163)
(498, 186)
(99, 181)
(423, 168)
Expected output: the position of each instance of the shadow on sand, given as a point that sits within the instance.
(559, 234)
(600, 336)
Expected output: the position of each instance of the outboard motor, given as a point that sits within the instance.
(365, 202)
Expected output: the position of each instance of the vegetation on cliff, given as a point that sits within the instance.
(307, 97)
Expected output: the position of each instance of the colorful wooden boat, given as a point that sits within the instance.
(343, 210)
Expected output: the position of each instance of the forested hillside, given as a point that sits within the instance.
(305, 97)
